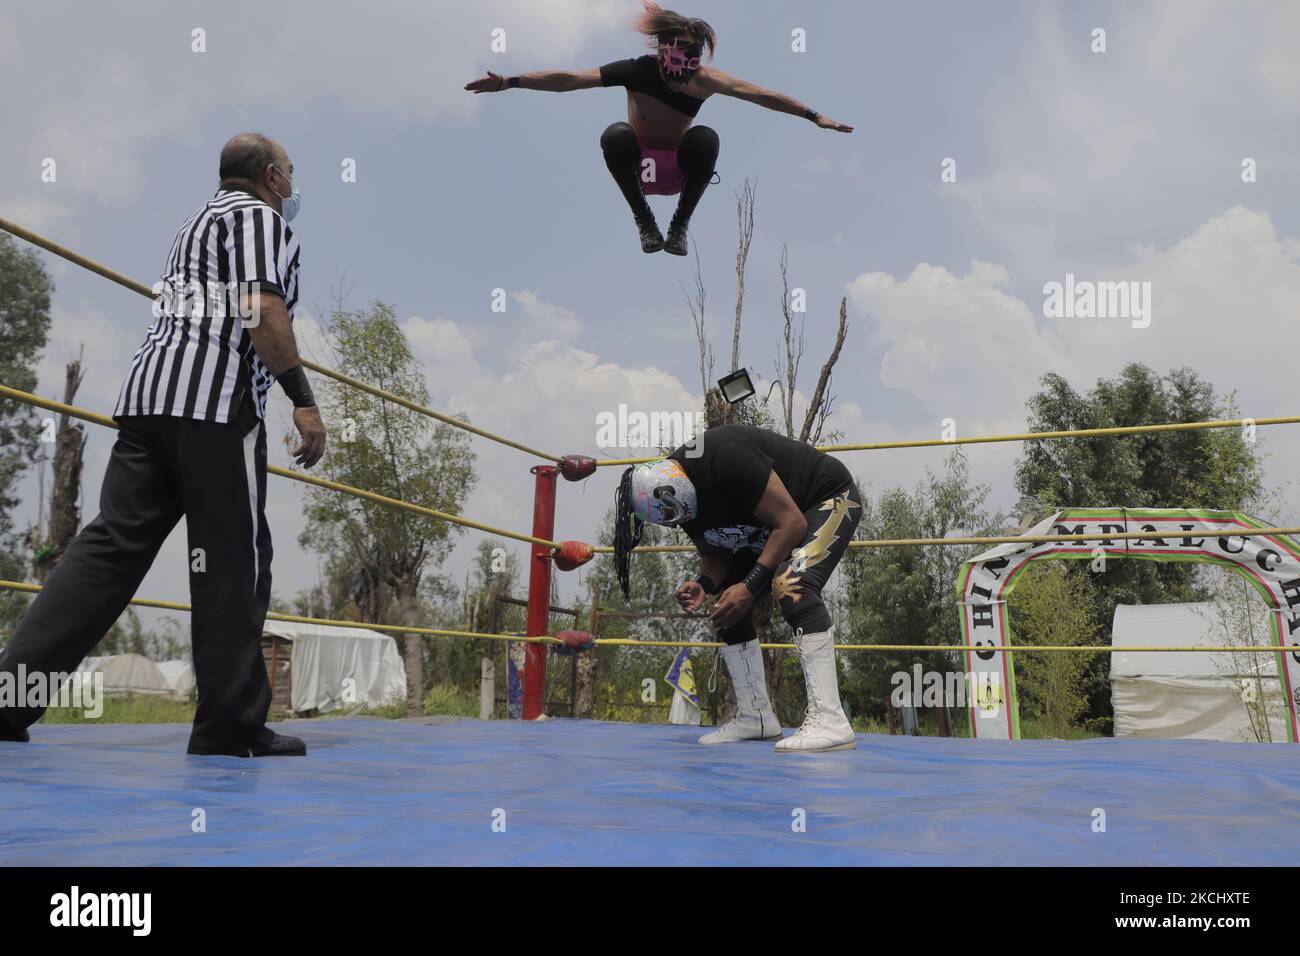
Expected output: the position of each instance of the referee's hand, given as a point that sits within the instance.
(307, 421)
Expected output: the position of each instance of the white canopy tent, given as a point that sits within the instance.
(128, 674)
(179, 675)
(1173, 694)
(337, 667)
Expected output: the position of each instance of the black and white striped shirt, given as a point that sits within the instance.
(198, 359)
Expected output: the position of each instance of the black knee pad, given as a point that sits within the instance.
(698, 151)
(619, 144)
(801, 603)
(739, 632)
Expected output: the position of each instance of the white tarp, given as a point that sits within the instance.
(179, 675)
(128, 674)
(337, 667)
(1191, 695)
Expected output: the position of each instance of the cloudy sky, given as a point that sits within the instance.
(1122, 165)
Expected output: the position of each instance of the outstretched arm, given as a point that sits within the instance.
(551, 81)
(715, 81)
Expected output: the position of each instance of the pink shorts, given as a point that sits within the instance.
(659, 172)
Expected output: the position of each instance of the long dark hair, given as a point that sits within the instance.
(627, 531)
(662, 25)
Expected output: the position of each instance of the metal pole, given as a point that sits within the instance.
(539, 591)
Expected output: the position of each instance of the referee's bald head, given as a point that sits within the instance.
(258, 162)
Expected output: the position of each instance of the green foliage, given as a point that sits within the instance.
(25, 289)
(907, 595)
(1049, 605)
(389, 450)
(1210, 468)
(377, 559)
(128, 709)
(128, 636)
(1236, 617)
(450, 699)
(653, 582)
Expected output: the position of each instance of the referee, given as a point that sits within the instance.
(192, 441)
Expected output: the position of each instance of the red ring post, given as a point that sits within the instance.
(539, 591)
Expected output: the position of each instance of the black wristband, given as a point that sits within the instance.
(706, 582)
(295, 385)
(758, 578)
(811, 114)
(513, 82)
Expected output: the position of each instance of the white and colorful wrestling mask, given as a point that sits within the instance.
(661, 493)
(680, 60)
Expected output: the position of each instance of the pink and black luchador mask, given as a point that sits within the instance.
(680, 60)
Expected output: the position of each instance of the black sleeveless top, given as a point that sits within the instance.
(643, 76)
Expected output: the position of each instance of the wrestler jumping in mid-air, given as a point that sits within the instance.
(763, 511)
(657, 152)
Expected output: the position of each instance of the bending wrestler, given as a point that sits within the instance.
(763, 511)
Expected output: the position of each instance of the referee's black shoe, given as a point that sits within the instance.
(274, 745)
(10, 735)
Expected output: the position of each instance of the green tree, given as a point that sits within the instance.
(907, 595)
(1049, 605)
(129, 636)
(620, 672)
(384, 553)
(1210, 468)
(25, 289)
(1236, 617)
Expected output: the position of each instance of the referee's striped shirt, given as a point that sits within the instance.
(198, 359)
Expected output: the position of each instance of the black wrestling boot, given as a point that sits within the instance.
(692, 189)
(274, 745)
(9, 735)
(652, 240)
(622, 156)
(675, 244)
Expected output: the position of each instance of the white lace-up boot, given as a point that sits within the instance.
(824, 727)
(753, 719)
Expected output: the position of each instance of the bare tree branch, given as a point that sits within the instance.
(819, 396)
(787, 366)
(745, 225)
(695, 303)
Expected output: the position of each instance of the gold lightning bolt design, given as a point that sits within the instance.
(787, 583)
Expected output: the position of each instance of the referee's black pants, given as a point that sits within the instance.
(162, 468)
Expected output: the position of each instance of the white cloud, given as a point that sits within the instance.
(1085, 147)
(98, 89)
(1224, 304)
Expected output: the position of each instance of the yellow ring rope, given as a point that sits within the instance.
(98, 419)
(51, 246)
(1023, 436)
(1013, 539)
(632, 642)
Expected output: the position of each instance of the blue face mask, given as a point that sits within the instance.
(289, 205)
